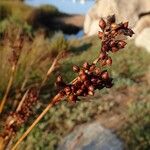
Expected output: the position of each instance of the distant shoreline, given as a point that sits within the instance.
(67, 23)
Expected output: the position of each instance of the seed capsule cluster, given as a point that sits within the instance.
(17, 118)
(113, 38)
(16, 46)
(91, 77)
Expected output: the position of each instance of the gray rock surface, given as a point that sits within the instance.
(123, 9)
(143, 39)
(91, 137)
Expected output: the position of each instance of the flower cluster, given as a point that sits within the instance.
(20, 116)
(113, 37)
(90, 76)
(16, 46)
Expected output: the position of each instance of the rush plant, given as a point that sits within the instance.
(89, 77)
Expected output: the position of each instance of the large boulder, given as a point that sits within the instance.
(143, 23)
(91, 137)
(123, 9)
(143, 39)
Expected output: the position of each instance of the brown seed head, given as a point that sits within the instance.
(83, 77)
(72, 98)
(114, 49)
(59, 79)
(100, 34)
(76, 68)
(105, 75)
(102, 55)
(67, 90)
(102, 24)
(126, 24)
(105, 48)
(91, 88)
(87, 83)
(109, 61)
(86, 65)
(121, 44)
(91, 93)
(79, 92)
(114, 26)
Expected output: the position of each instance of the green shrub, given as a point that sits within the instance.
(5, 12)
(136, 132)
(12, 22)
(61, 119)
(48, 9)
(42, 16)
(58, 43)
(35, 59)
(18, 9)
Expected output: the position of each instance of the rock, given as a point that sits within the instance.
(91, 137)
(123, 9)
(143, 39)
(144, 22)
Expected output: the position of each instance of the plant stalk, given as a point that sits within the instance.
(13, 69)
(57, 98)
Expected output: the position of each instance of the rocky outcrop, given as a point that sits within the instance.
(143, 23)
(123, 9)
(91, 137)
(143, 39)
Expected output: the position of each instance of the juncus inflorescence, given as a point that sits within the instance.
(90, 76)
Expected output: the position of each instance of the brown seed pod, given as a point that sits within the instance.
(76, 68)
(94, 80)
(85, 94)
(67, 90)
(105, 75)
(91, 93)
(111, 19)
(100, 34)
(97, 71)
(99, 82)
(114, 26)
(83, 77)
(72, 98)
(83, 87)
(121, 44)
(87, 83)
(91, 88)
(126, 24)
(109, 61)
(59, 79)
(102, 55)
(103, 62)
(112, 43)
(73, 88)
(114, 49)
(113, 32)
(81, 72)
(92, 67)
(86, 65)
(104, 48)
(79, 92)
(78, 83)
(102, 24)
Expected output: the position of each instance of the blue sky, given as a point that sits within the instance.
(64, 5)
